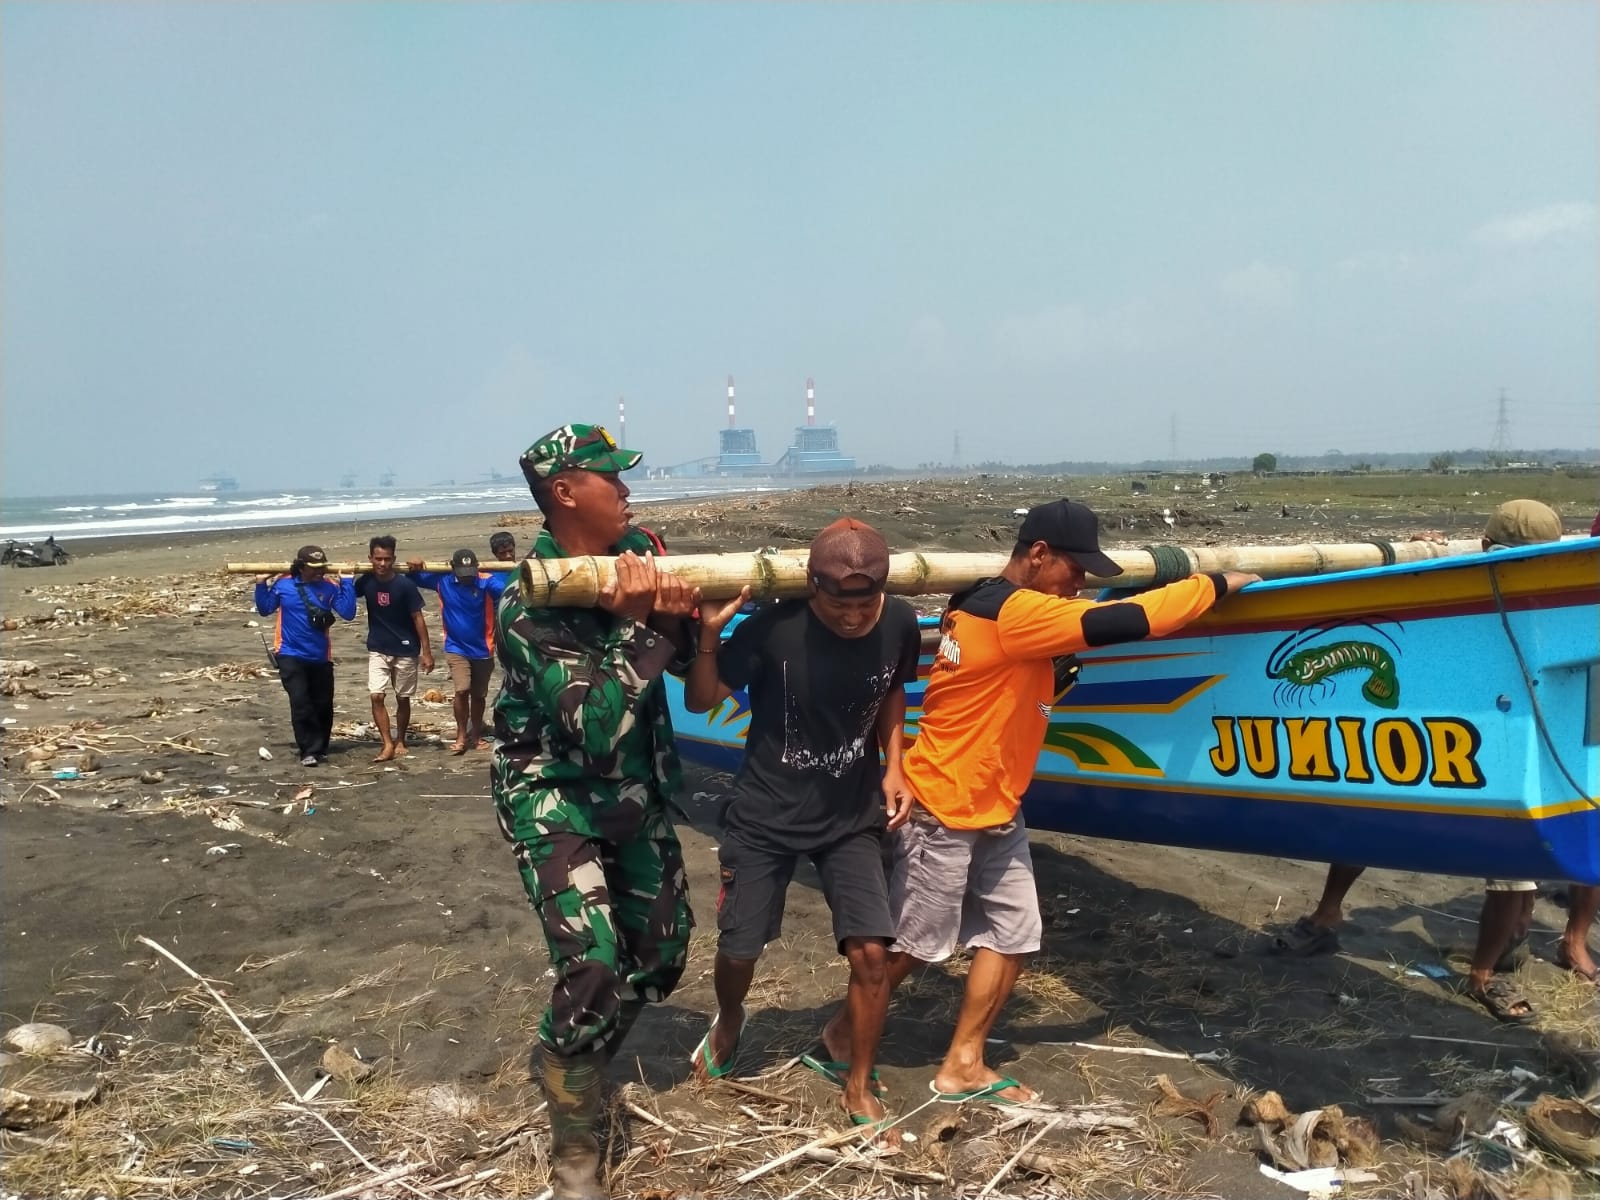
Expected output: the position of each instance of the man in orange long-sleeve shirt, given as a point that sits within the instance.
(962, 869)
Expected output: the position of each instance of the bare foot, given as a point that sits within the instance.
(385, 754)
(399, 749)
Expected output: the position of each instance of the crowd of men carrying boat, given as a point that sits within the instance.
(584, 770)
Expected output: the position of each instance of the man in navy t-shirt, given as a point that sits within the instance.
(397, 637)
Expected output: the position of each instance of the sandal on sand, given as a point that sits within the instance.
(1501, 998)
(989, 1094)
(1565, 963)
(834, 1071)
(871, 1129)
(702, 1052)
(1304, 940)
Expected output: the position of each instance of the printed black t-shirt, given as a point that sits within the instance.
(390, 607)
(811, 774)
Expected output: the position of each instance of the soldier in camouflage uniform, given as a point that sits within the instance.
(583, 776)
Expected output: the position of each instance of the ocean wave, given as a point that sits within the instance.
(171, 502)
(191, 521)
(155, 515)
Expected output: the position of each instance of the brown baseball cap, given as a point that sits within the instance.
(849, 558)
(311, 556)
(1522, 523)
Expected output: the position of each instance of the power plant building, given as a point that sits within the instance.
(815, 450)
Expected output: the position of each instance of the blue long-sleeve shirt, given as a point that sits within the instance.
(295, 637)
(468, 608)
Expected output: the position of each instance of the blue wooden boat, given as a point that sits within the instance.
(1441, 717)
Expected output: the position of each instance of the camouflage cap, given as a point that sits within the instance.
(584, 447)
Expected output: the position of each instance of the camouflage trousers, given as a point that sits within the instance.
(606, 877)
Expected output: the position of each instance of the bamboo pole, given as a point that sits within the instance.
(577, 582)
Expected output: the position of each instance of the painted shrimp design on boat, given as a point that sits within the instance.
(1300, 666)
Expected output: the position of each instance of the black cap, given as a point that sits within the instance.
(464, 564)
(1071, 528)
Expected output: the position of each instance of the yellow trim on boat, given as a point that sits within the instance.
(1540, 813)
(1393, 596)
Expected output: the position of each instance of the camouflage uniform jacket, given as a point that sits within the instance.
(582, 706)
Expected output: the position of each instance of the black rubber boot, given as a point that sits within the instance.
(572, 1091)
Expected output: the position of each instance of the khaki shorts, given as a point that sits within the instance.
(385, 671)
(968, 886)
(470, 675)
(1510, 885)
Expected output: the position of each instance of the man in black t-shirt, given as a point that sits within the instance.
(826, 682)
(396, 636)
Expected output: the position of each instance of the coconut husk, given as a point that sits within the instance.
(1566, 1127)
(1470, 1112)
(1174, 1103)
(1466, 1182)
(1540, 1184)
(1422, 1135)
(1355, 1138)
(1267, 1109)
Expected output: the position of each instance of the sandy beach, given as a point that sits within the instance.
(374, 908)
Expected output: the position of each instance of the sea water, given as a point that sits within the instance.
(69, 517)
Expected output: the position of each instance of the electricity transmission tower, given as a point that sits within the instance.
(1500, 450)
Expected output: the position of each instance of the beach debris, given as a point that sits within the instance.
(433, 696)
(29, 1109)
(1174, 1103)
(1323, 1137)
(1578, 1063)
(345, 1065)
(1565, 1127)
(38, 1038)
(1319, 1181)
(66, 774)
(1469, 1113)
(449, 1100)
(89, 762)
(151, 776)
(264, 754)
(1266, 1109)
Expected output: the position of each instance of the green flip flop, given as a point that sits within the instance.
(836, 1072)
(702, 1052)
(988, 1095)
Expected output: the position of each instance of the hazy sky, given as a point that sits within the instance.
(291, 240)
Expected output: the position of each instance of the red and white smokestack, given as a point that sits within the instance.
(730, 402)
(811, 402)
(622, 421)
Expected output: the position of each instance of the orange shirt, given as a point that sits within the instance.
(988, 698)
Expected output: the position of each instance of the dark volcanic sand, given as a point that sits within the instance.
(387, 915)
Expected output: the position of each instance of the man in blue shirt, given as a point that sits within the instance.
(396, 636)
(467, 602)
(307, 604)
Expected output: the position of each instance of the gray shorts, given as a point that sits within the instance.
(968, 886)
